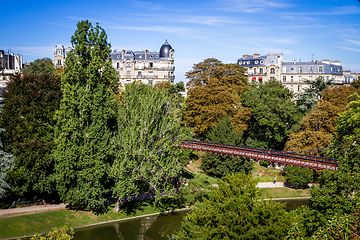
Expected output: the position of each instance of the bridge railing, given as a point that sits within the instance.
(302, 160)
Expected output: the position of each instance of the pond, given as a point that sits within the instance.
(157, 227)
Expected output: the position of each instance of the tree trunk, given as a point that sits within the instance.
(118, 205)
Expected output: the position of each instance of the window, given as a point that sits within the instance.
(327, 78)
(310, 78)
(254, 70)
(117, 65)
(300, 79)
(292, 87)
(284, 79)
(292, 78)
(128, 65)
(128, 73)
(139, 74)
(151, 74)
(150, 82)
(59, 52)
(151, 65)
(292, 69)
(272, 78)
(311, 69)
(299, 88)
(272, 71)
(300, 69)
(320, 69)
(260, 71)
(59, 62)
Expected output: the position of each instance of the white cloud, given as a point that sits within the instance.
(253, 6)
(350, 49)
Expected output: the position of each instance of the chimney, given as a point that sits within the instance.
(294, 61)
(146, 52)
(122, 54)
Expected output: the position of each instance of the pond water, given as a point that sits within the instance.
(150, 228)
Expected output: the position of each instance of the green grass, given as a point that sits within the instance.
(284, 192)
(44, 222)
(264, 174)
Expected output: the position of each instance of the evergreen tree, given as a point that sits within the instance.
(40, 66)
(30, 103)
(146, 157)
(6, 163)
(86, 121)
(218, 165)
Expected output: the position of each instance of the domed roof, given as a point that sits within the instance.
(165, 49)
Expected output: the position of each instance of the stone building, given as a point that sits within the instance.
(10, 64)
(292, 75)
(60, 55)
(261, 69)
(142, 66)
(145, 66)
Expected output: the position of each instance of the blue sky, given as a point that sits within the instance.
(224, 29)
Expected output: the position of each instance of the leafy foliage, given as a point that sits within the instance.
(307, 100)
(29, 107)
(148, 121)
(56, 234)
(356, 83)
(233, 211)
(86, 121)
(218, 165)
(317, 128)
(214, 91)
(298, 176)
(40, 66)
(6, 163)
(273, 115)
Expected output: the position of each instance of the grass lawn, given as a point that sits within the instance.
(44, 222)
(284, 192)
(263, 174)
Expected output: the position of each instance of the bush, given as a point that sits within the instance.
(298, 176)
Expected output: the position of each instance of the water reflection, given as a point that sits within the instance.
(154, 228)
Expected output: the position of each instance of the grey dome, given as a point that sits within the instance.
(165, 49)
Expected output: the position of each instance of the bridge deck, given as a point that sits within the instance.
(296, 159)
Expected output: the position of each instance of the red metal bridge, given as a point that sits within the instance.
(286, 158)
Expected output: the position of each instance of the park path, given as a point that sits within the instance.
(54, 207)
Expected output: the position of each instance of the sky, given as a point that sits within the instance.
(196, 29)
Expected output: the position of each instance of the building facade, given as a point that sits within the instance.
(60, 55)
(144, 66)
(292, 75)
(10, 64)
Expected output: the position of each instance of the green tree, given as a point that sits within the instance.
(40, 66)
(30, 103)
(318, 127)
(146, 156)
(273, 115)
(218, 165)
(307, 100)
(56, 234)
(233, 211)
(214, 91)
(6, 164)
(356, 83)
(86, 120)
(298, 176)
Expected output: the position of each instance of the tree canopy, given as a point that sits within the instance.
(86, 120)
(233, 211)
(273, 115)
(214, 91)
(30, 103)
(218, 165)
(40, 66)
(317, 128)
(145, 154)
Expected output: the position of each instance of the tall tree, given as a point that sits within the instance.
(233, 211)
(273, 115)
(40, 66)
(86, 121)
(307, 100)
(148, 122)
(317, 128)
(6, 164)
(214, 91)
(29, 108)
(218, 165)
